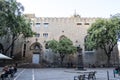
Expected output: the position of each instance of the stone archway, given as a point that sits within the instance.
(36, 49)
(61, 37)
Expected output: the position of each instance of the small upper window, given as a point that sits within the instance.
(37, 35)
(86, 23)
(46, 24)
(37, 25)
(31, 24)
(45, 34)
(79, 23)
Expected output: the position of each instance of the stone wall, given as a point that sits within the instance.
(48, 28)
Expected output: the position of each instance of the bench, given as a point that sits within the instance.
(84, 76)
(7, 75)
(91, 75)
(80, 77)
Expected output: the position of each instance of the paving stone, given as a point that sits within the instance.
(61, 74)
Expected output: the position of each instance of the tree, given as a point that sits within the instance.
(13, 22)
(63, 47)
(102, 34)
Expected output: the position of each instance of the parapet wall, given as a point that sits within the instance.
(60, 19)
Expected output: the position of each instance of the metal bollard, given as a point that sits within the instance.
(108, 75)
(114, 73)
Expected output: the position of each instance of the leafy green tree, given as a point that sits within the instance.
(102, 34)
(13, 22)
(63, 47)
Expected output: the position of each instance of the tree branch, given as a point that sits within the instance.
(11, 44)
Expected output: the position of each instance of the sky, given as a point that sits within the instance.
(67, 8)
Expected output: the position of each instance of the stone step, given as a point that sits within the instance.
(31, 65)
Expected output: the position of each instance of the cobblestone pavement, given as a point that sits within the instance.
(61, 74)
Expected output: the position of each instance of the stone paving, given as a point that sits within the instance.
(61, 74)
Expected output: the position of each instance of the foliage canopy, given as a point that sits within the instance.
(103, 34)
(63, 46)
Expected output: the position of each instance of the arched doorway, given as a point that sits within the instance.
(36, 50)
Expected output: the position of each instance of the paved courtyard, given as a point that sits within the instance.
(60, 74)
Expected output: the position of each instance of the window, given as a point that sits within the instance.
(86, 23)
(62, 31)
(36, 47)
(31, 24)
(45, 34)
(46, 24)
(46, 46)
(79, 23)
(37, 35)
(76, 41)
(37, 25)
(24, 50)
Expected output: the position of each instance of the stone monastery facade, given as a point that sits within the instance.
(33, 49)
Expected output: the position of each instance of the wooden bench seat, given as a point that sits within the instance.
(91, 76)
(84, 76)
(80, 77)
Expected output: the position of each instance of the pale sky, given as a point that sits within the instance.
(66, 8)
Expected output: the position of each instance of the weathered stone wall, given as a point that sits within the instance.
(75, 28)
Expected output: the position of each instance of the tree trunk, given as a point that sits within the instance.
(61, 62)
(12, 46)
(61, 57)
(108, 60)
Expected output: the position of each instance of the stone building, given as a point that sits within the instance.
(33, 50)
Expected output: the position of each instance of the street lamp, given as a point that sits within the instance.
(80, 65)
